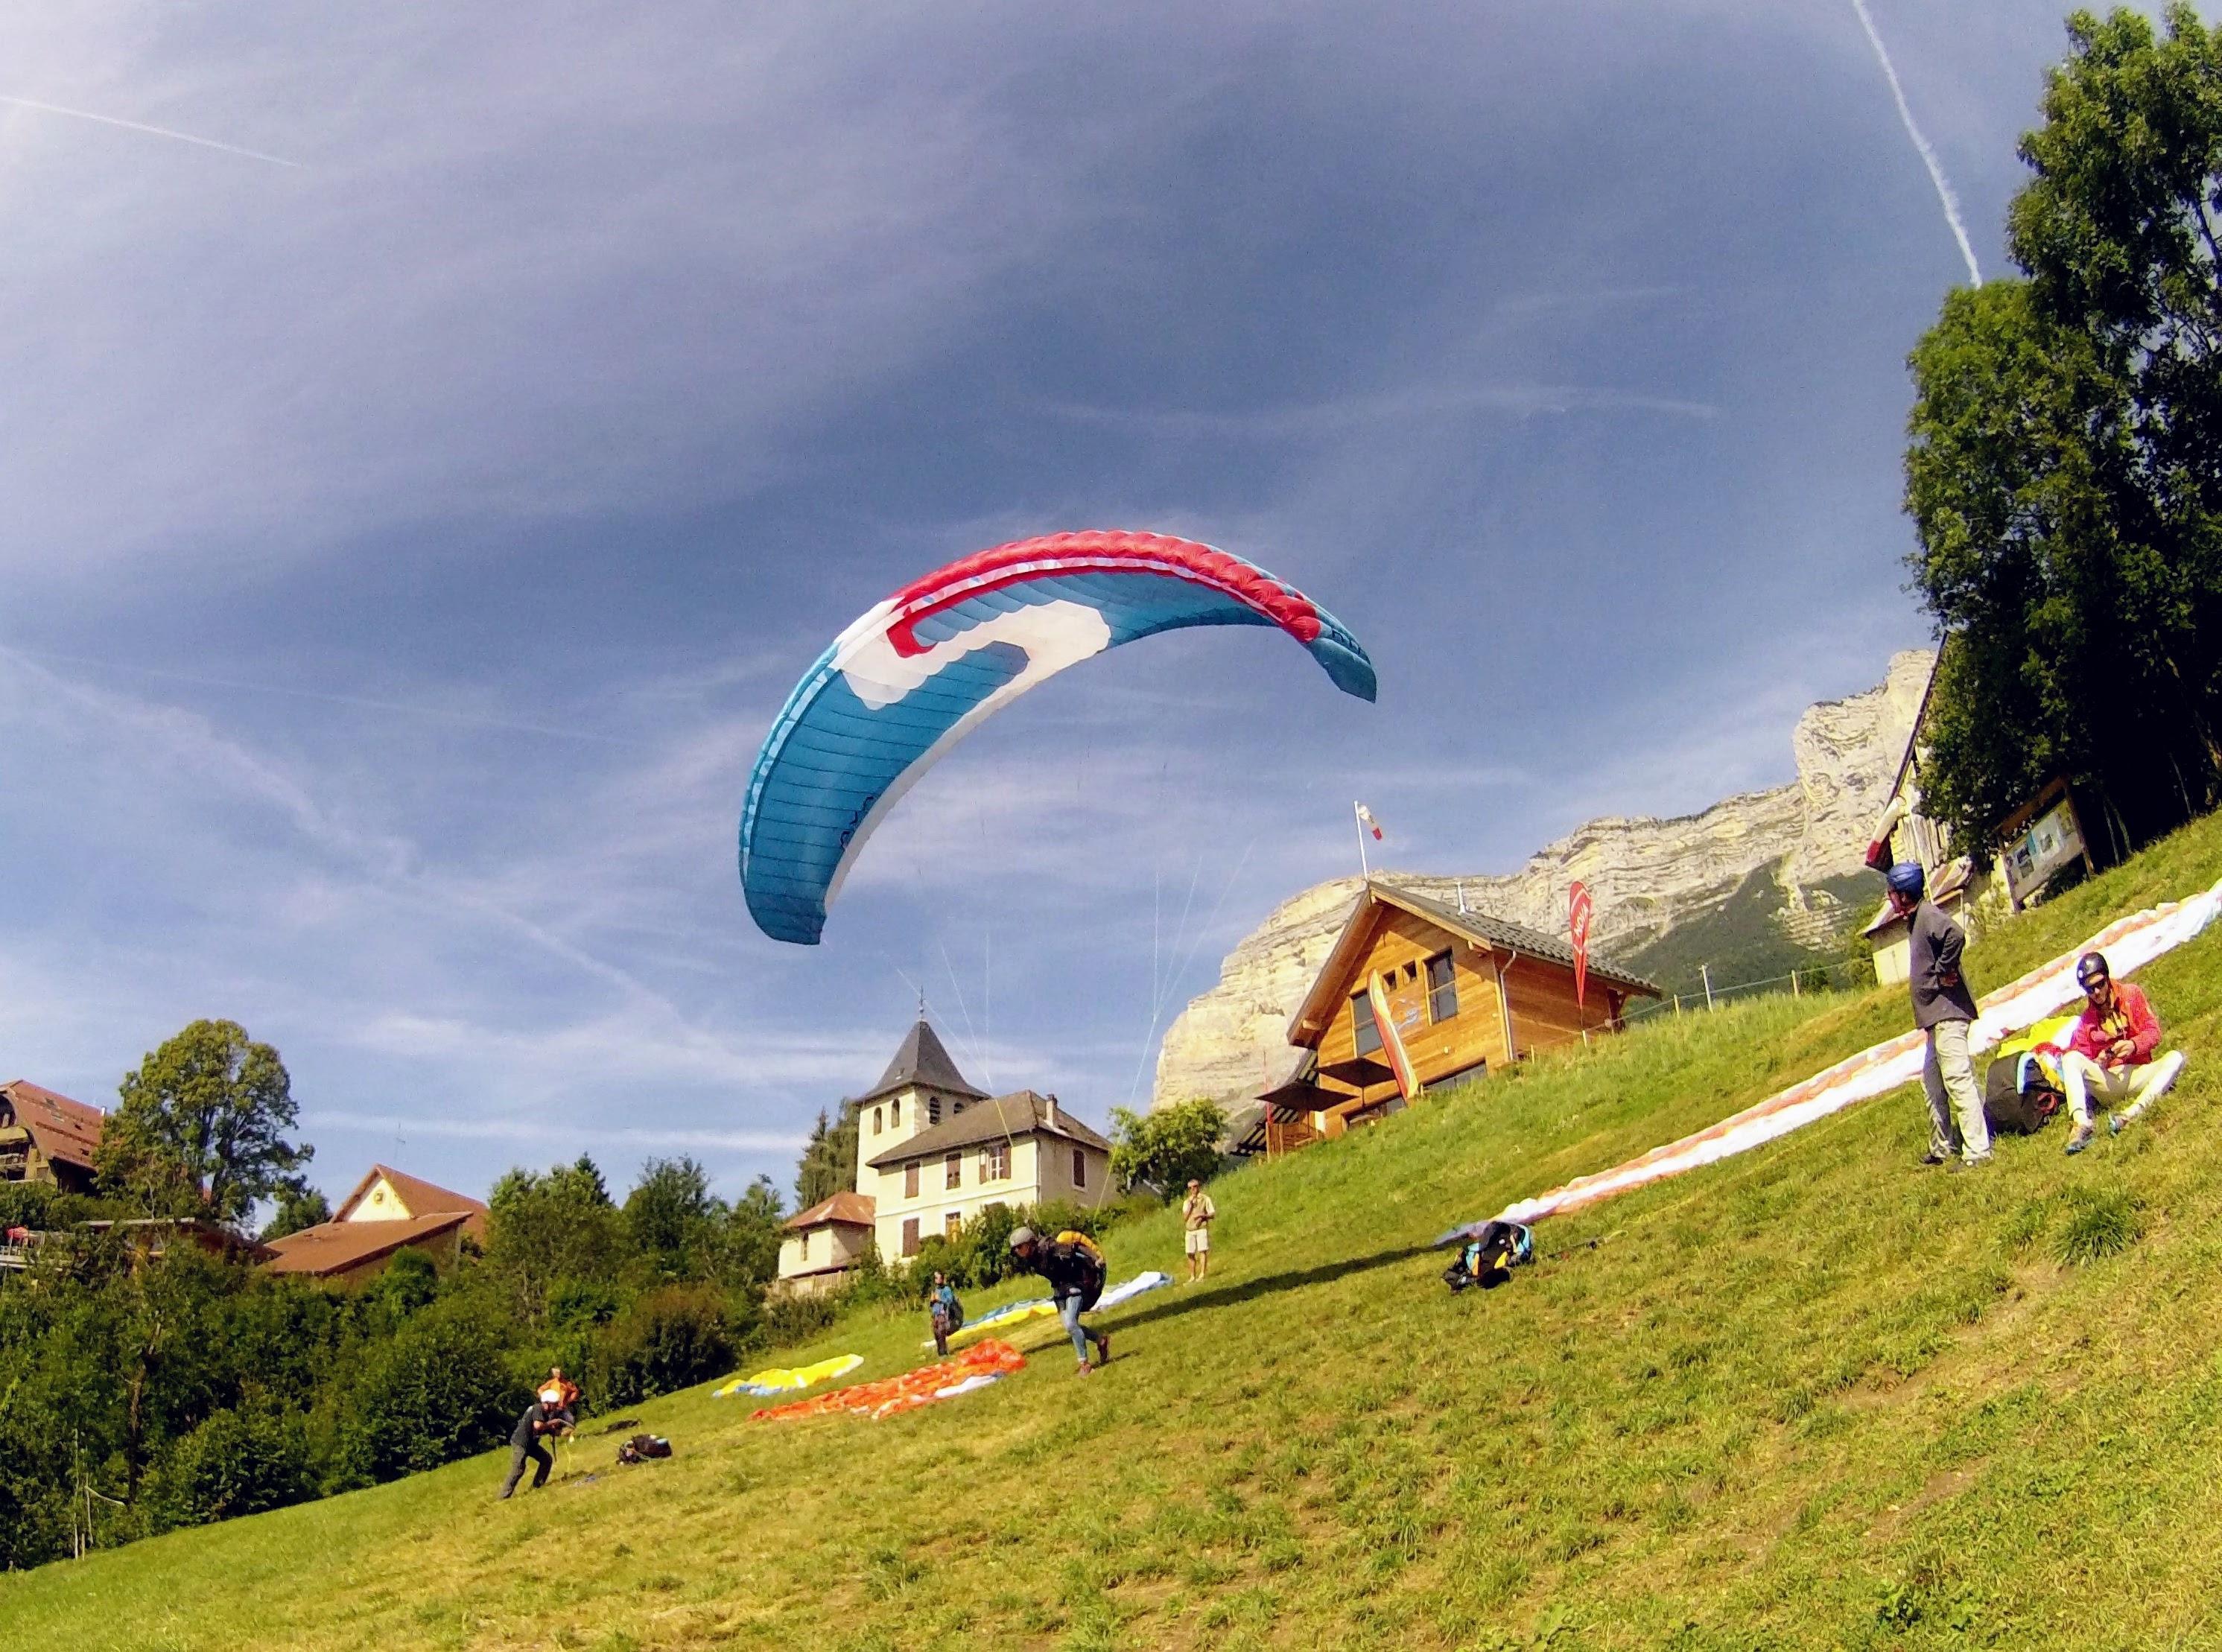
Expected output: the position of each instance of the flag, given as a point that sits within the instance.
(1392, 1041)
(1578, 928)
(1365, 819)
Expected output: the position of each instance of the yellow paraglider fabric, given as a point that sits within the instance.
(781, 1379)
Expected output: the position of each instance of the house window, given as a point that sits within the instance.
(953, 1169)
(952, 1224)
(910, 1236)
(877, 1119)
(1079, 1168)
(806, 1243)
(995, 1162)
(1361, 1019)
(1442, 988)
(910, 1183)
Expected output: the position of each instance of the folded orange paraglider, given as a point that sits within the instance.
(973, 1368)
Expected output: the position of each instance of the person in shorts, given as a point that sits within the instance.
(1197, 1213)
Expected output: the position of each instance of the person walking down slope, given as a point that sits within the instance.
(1944, 1007)
(540, 1418)
(2111, 1052)
(1197, 1214)
(1075, 1270)
(943, 1311)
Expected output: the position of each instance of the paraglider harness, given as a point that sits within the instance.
(2021, 1087)
(1487, 1259)
(642, 1447)
(1074, 1265)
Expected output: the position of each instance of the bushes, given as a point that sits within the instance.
(235, 1462)
(440, 1388)
(673, 1337)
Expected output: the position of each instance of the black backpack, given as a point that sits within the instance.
(642, 1447)
(2016, 1106)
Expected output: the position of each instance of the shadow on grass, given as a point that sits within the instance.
(1226, 1296)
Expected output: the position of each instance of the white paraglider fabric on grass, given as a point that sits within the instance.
(2128, 943)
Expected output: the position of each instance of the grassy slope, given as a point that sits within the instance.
(1814, 1397)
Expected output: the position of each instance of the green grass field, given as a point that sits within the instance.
(1818, 1396)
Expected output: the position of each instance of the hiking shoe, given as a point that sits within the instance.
(1103, 1350)
(1976, 1162)
(1935, 1156)
(2114, 1123)
(2080, 1140)
(1086, 1370)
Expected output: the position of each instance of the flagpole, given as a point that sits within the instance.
(1357, 819)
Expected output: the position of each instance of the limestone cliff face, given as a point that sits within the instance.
(1651, 879)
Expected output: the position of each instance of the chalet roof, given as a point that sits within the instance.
(334, 1247)
(1021, 1113)
(65, 1130)
(1484, 929)
(422, 1197)
(921, 1059)
(853, 1210)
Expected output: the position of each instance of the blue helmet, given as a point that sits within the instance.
(1907, 878)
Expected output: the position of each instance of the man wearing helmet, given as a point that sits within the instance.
(1944, 1007)
(1075, 1270)
(2111, 1052)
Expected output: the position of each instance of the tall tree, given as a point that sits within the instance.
(1164, 1149)
(554, 1229)
(201, 1130)
(672, 1218)
(829, 1159)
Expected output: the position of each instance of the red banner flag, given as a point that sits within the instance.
(1578, 927)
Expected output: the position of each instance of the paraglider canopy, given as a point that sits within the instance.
(905, 683)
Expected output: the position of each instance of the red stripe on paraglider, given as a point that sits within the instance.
(1097, 552)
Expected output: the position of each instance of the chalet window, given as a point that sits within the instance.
(952, 1172)
(1079, 1168)
(1361, 1020)
(995, 1162)
(877, 1119)
(910, 1183)
(910, 1236)
(952, 1224)
(1442, 988)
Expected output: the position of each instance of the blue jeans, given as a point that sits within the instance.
(1068, 1309)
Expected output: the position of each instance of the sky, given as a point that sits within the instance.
(433, 440)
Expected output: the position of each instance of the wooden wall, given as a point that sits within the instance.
(1543, 1009)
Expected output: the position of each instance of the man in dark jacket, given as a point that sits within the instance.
(1074, 1268)
(539, 1418)
(1944, 1007)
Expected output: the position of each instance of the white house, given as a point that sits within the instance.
(1022, 1148)
(825, 1242)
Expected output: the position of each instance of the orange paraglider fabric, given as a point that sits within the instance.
(989, 1360)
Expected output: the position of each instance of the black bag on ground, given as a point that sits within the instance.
(642, 1447)
(2012, 1109)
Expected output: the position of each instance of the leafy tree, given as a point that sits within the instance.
(201, 1128)
(298, 1207)
(829, 1159)
(1162, 1150)
(747, 1251)
(2065, 473)
(441, 1388)
(554, 1229)
(674, 1336)
(671, 1217)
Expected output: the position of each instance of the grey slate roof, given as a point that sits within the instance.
(1020, 1113)
(1503, 932)
(922, 1060)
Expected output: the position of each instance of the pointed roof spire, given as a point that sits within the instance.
(922, 1059)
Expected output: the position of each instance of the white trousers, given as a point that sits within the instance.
(1957, 1123)
(2084, 1078)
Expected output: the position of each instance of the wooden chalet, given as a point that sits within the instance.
(46, 1137)
(1468, 993)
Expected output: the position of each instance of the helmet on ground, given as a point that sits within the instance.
(1907, 878)
(2091, 969)
(1021, 1237)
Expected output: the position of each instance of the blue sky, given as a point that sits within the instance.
(421, 489)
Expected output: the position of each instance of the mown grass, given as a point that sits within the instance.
(1817, 1396)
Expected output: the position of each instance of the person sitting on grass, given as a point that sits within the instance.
(1075, 1270)
(2110, 1054)
(540, 1418)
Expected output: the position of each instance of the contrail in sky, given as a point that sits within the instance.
(151, 131)
(1928, 155)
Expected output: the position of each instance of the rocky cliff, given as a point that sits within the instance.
(1753, 885)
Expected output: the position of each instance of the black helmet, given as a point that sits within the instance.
(1021, 1237)
(2091, 968)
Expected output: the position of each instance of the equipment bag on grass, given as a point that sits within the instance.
(2019, 1098)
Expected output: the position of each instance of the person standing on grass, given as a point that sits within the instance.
(540, 1418)
(1197, 1212)
(1944, 1007)
(1075, 1270)
(2111, 1052)
(942, 1311)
